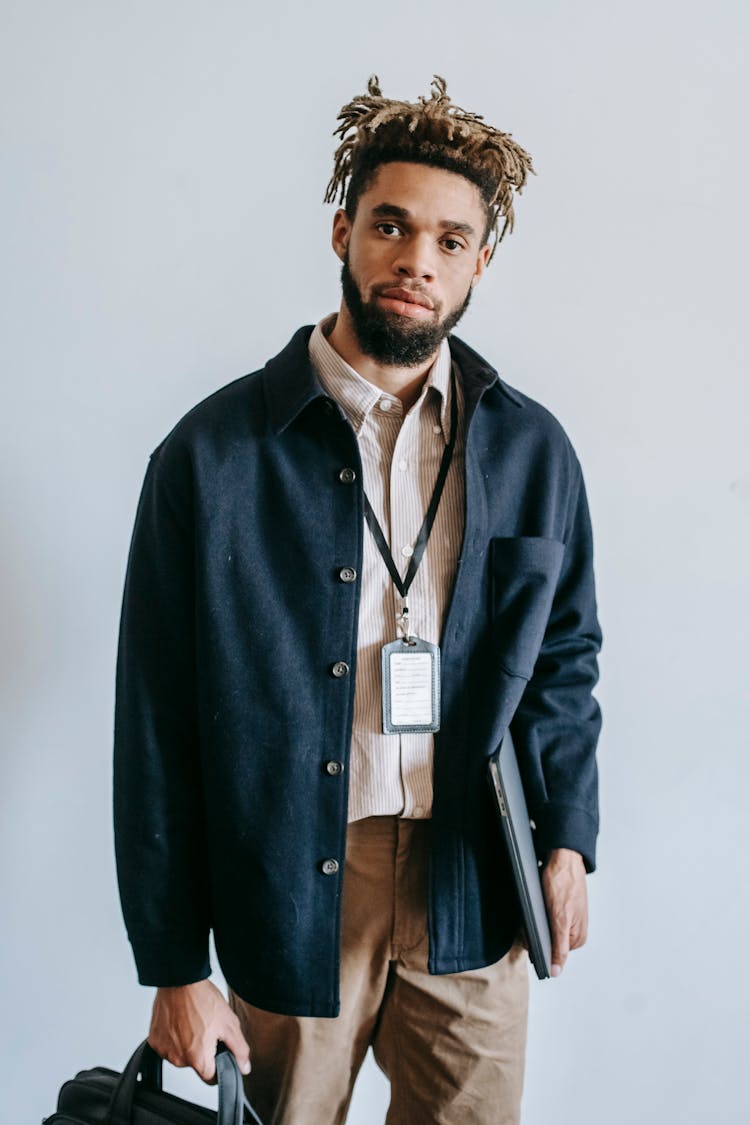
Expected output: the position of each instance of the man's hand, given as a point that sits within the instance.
(564, 884)
(186, 1024)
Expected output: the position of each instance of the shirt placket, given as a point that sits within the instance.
(407, 514)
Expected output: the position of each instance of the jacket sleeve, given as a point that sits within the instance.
(557, 724)
(160, 839)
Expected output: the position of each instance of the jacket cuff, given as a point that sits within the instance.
(565, 826)
(165, 965)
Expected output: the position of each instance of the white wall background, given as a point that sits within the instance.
(163, 165)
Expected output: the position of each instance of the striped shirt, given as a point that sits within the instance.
(391, 774)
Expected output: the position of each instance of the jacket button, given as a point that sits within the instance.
(340, 668)
(334, 768)
(347, 574)
(329, 866)
(347, 476)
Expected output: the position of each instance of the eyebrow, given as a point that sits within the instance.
(391, 210)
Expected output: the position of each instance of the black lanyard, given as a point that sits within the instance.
(402, 585)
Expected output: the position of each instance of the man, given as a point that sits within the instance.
(350, 572)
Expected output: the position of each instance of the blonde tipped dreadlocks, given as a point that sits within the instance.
(375, 130)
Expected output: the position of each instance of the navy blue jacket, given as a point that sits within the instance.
(228, 709)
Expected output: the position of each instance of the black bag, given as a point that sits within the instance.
(135, 1097)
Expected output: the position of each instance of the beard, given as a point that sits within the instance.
(390, 339)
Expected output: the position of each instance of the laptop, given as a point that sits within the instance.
(507, 788)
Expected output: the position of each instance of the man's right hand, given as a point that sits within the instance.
(186, 1024)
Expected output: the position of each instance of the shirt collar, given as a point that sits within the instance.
(357, 397)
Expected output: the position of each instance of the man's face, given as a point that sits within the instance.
(411, 257)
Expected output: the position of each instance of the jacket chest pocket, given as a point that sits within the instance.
(523, 579)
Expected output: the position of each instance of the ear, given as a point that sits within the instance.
(483, 258)
(342, 229)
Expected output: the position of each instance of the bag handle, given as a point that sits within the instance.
(145, 1062)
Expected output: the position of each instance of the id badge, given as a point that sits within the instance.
(411, 687)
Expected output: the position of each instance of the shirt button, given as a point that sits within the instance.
(347, 574)
(334, 768)
(403, 466)
(407, 552)
(329, 866)
(385, 405)
(418, 810)
(437, 429)
(340, 668)
(347, 476)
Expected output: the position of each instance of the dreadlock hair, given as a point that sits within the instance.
(375, 130)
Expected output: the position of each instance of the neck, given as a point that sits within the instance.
(404, 383)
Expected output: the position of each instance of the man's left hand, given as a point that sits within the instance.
(564, 884)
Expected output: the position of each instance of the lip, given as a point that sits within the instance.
(408, 296)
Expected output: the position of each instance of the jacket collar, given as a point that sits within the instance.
(478, 375)
(290, 382)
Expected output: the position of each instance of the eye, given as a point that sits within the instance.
(388, 229)
(453, 245)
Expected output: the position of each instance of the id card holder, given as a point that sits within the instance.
(411, 687)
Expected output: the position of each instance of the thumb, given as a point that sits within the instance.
(560, 949)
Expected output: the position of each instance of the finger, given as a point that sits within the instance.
(578, 937)
(166, 1051)
(174, 1058)
(205, 1066)
(238, 1045)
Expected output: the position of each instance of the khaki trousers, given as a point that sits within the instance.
(452, 1046)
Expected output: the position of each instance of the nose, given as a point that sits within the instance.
(415, 258)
